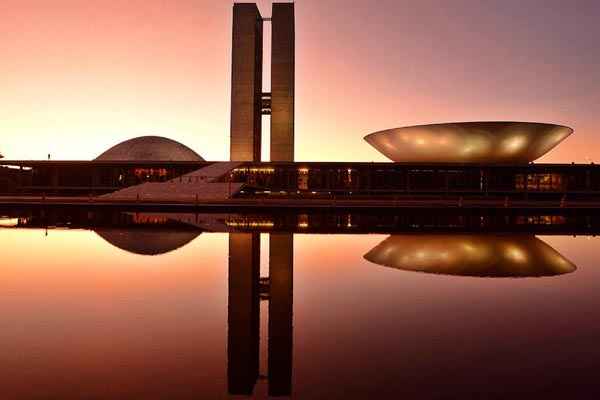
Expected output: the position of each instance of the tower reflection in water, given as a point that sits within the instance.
(246, 289)
(464, 254)
(483, 255)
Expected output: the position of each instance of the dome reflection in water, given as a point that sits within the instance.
(516, 256)
(148, 242)
(151, 234)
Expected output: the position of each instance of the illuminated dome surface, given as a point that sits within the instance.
(149, 148)
(516, 256)
(469, 142)
(147, 241)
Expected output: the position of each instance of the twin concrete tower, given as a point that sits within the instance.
(248, 101)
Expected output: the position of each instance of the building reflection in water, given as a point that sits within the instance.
(246, 289)
(149, 242)
(149, 234)
(160, 233)
(465, 254)
(483, 255)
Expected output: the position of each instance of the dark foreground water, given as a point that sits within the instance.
(163, 310)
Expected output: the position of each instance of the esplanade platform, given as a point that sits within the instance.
(489, 164)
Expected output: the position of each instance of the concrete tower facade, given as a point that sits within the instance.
(248, 102)
(282, 82)
(246, 83)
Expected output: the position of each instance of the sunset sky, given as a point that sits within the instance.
(79, 76)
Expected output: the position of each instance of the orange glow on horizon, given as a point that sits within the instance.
(78, 77)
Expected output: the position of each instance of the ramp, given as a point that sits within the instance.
(199, 185)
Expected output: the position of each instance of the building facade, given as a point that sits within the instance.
(248, 101)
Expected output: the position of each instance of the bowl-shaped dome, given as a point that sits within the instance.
(148, 242)
(149, 148)
(469, 142)
(516, 256)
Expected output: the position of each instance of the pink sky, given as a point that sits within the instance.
(77, 76)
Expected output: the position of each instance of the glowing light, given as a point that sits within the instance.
(516, 254)
(468, 247)
(265, 170)
(249, 224)
(515, 144)
(469, 142)
(303, 221)
(471, 255)
(9, 222)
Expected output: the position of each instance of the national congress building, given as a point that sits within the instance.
(483, 158)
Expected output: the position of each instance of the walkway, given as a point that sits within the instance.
(197, 186)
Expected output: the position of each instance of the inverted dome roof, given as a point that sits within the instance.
(469, 142)
(147, 241)
(149, 148)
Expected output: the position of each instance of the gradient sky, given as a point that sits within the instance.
(78, 76)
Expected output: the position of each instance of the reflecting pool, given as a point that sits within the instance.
(149, 305)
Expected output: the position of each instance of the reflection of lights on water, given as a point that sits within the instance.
(250, 224)
(468, 247)
(519, 256)
(560, 260)
(303, 221)
(9, 222)
(265, 170)
(516, 254)
(149, 219)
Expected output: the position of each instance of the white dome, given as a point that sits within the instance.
(149, 148)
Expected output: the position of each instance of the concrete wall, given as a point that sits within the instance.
(246, 83)
(282, 82)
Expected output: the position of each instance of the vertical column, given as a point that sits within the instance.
(243, 334)
(19, 179)
(281, 274)
(246, 83)
(282, 82)
(54, 179)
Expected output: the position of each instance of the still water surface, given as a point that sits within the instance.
(90, 315)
